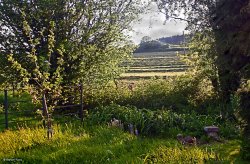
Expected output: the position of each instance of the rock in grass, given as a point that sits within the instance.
(116, 123)
(188, 140)
(212, 131)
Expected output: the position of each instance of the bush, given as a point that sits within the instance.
(177, 93)
(160, 122)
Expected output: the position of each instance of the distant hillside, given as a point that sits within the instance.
(176, 39)
(164, 44)
(152, 46)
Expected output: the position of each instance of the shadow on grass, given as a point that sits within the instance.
(101, 144)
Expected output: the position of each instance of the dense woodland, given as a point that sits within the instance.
(48, 46)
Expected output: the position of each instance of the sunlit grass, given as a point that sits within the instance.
(73, 143)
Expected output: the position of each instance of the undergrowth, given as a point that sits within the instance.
(162, 122)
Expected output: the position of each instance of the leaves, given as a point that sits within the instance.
(56, 43)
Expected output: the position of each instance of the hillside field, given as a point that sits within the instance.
(154, 64)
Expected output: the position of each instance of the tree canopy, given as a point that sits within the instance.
(50, 43)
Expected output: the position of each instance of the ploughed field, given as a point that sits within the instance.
(154, 64)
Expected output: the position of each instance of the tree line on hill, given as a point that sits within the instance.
(162, 44)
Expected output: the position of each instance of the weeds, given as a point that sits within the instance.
(160, 122)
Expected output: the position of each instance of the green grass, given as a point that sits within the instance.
(21, 111)
(100, 144)
(19, 118)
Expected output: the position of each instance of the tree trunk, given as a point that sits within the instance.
(232, 40)
(232, 32)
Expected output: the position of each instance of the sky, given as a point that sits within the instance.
(152, 25)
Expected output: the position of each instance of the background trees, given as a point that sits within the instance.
(152, 46)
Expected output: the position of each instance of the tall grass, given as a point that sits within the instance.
(161, 122)
(179, 155)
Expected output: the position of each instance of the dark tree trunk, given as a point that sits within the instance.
(232, 32)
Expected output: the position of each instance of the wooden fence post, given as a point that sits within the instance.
(81, 102)
(6, 108)
(45, 109)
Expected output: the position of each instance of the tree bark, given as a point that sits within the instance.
(232, 32)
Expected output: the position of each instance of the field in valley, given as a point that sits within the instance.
(154, 64)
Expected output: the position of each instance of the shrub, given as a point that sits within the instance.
(180, 94)
(160, 122)
(176, 93)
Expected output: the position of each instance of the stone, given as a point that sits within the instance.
(209, 129)
(116, 123)
(212, 131)
(188, 140)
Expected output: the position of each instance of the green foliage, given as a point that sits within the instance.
(243, 116)
(21, 111)
(39, 76)
(202, 58)
(181, 94)
(226, 24)
(26, 103)
(48, 45)
(160, 122)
